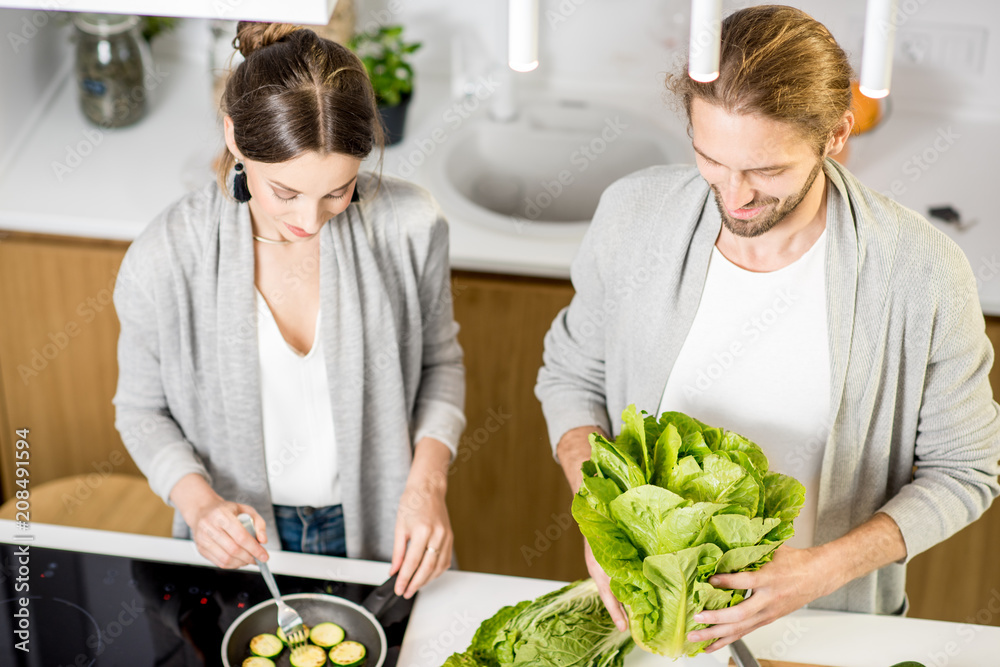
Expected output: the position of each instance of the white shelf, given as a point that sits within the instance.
(315, 12)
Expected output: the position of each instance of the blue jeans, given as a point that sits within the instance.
(312, 530)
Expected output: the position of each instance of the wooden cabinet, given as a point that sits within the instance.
(959, 579)
(508, 499)
(58, 364)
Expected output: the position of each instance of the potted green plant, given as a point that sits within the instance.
(385, 55)
(156, 25)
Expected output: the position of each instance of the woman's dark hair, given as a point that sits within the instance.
(781, 63)
(296, 92)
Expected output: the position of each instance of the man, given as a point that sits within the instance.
(771, 293)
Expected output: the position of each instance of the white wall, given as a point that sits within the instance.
(34, 46)
(927, 84)
(607, 42)
(633, 42)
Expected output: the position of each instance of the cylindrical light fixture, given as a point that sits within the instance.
(522, 35)
(876, 56)
(706, 30)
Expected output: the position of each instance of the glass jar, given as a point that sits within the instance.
(111, 61)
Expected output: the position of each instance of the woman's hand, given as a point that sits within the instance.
(423, 542)
(218, 534)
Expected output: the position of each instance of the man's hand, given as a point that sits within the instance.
(603, 581)
(796, 577)
(791, 580)
(573, 449)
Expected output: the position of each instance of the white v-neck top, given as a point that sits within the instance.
(299, 441)
(756, 361)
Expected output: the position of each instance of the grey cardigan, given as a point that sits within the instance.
(909, 357)
(188, 397)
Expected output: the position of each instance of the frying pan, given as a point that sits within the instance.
(360, 622)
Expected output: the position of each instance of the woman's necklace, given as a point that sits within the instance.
(271, 241)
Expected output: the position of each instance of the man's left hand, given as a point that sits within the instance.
(792, 579)
(796, 577)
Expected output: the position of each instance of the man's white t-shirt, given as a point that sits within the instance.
(299, 441)
(756, 361)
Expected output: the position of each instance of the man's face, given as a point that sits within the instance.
(760, 169)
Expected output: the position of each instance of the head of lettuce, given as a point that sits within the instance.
(668, 504)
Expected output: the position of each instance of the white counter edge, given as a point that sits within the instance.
(166, 549)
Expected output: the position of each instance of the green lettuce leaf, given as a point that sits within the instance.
(685, 425)
(599, 492)
(569, 627)
(731, 531)
(665, 450)
(783, 496)
(640, 512)
(682, 526)
(744, 559)
(631, 442)
(675, 576)
(723, 481)
(734, 442)
(613, 464)
(671, 502)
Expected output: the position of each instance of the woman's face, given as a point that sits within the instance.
(293, 200)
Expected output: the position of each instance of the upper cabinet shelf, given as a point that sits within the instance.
(311, 12)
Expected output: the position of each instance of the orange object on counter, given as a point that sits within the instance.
(867, 112)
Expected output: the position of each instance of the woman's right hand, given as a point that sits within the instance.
(218, 534)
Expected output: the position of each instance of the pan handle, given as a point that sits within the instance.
(382, 598)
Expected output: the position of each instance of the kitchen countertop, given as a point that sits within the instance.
(63, 176)
(449, 609)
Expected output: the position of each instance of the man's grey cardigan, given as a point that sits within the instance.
(914, 430)
(189, 393)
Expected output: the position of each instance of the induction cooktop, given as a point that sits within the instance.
(95, 610)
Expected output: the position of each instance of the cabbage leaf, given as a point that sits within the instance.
(671, 502)
(566, 628)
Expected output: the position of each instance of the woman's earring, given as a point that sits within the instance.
(240, 190)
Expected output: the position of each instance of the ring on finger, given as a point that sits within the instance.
(432, 550)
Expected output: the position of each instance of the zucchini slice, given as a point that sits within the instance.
(348, 654)
(326, 634)
(308, 656)
(257, 661)
(280, 634)
(266, 646)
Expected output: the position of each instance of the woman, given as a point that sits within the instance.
(287, 344)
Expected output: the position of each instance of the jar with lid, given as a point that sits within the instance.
(111, 61)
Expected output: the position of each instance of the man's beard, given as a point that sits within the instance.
(765, 221)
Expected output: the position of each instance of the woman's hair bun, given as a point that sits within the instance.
(251, 36)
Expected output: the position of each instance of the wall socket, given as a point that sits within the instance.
(952, 48)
